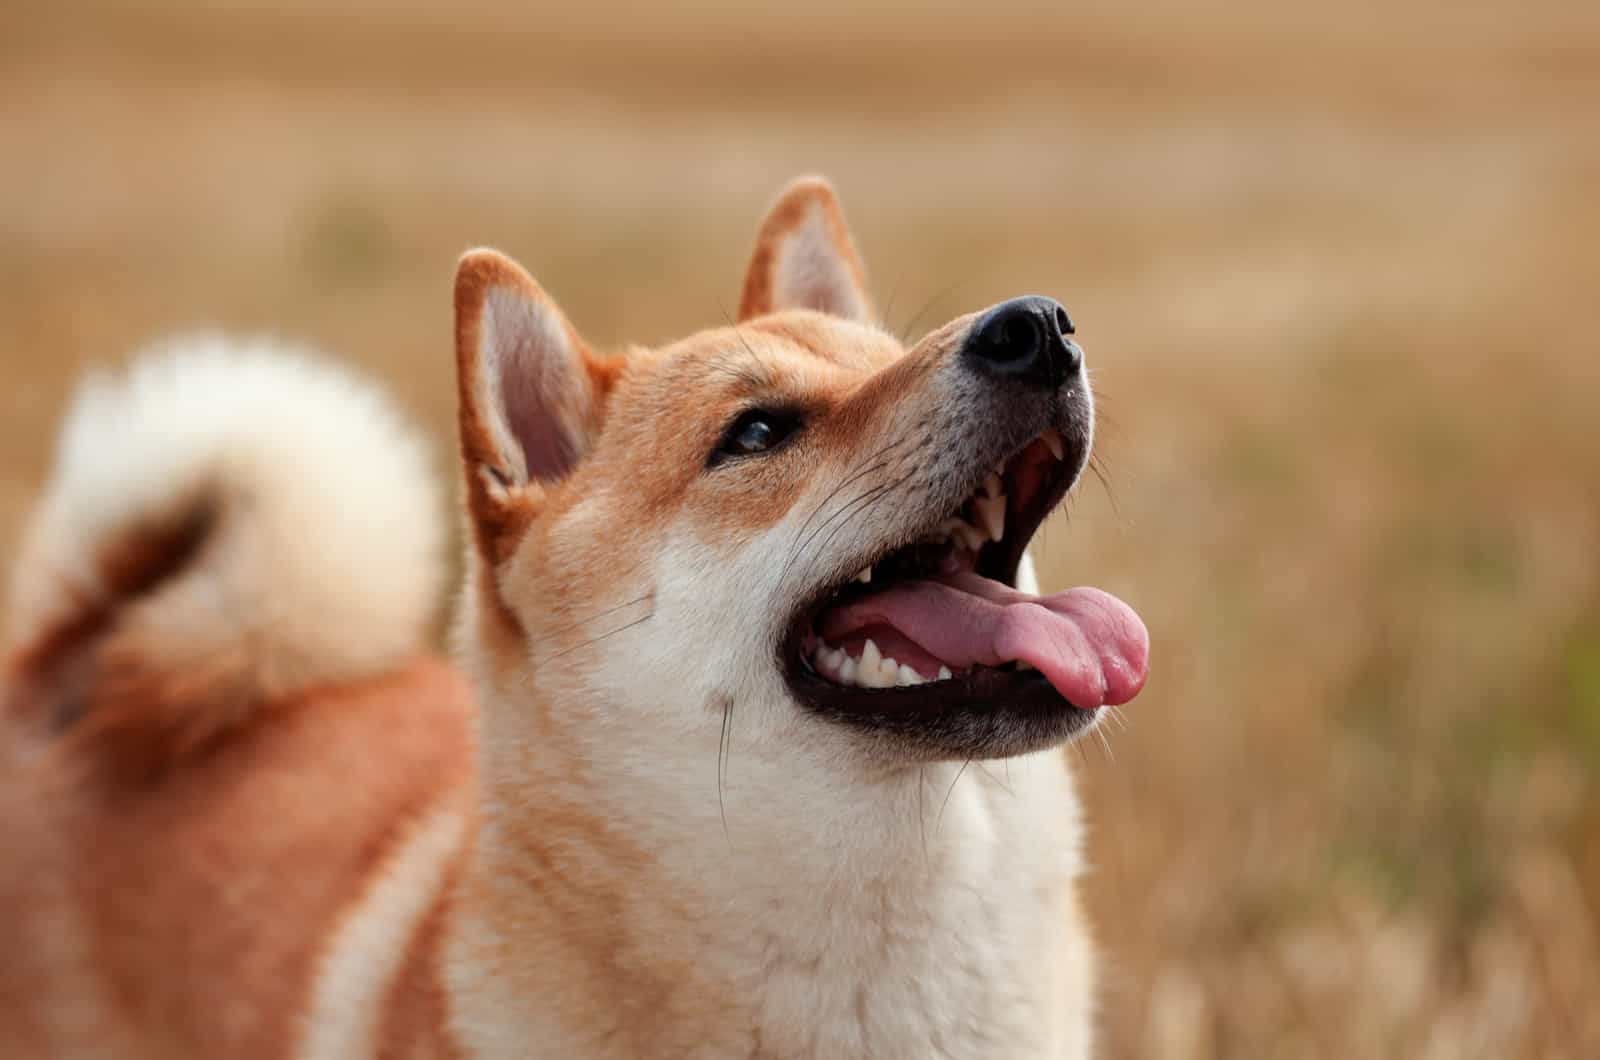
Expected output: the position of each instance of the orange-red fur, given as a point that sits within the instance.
(203, 894)
(179, 867)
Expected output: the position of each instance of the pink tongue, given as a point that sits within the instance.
(1088, 644)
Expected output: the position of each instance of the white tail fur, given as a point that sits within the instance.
(227, 524)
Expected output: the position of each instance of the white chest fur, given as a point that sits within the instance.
(960, 937)
(964, 943)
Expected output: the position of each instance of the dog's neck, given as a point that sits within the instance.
(616, 903)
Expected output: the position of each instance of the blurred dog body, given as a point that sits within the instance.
(221, 733)
(249, 816)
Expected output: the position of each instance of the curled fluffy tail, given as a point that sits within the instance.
(227, 524)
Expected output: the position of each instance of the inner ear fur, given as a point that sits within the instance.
(804, 258)
(531, 395)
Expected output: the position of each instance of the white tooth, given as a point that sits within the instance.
(907, 676)
(870, 671)
(888, 672)
(992, 486)
(847, 671)
(944, 673)
(1052, 439)
(865, 575)
(824, 661)
(992, 513)
(1023, 664)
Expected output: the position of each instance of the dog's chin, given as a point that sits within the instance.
(916, 696)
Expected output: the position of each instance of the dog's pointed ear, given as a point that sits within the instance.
(805, 258)
(531, 395)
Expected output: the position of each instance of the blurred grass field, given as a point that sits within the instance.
(1336, 268)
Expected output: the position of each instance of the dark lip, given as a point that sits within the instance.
(986, 713)
(983, 714)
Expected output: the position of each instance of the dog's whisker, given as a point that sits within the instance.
(604, 636)
(723, 748)
(1100, 734)
(599, 614)
(843, 511)
(1097, 468)
(755, 382)
(950, 792)
(867, 501)
(850, 477)
(888, 308)
(1006, 786)
(922, 811)
(868, 496)
(760, 376)
(905, 332)
(834, 493)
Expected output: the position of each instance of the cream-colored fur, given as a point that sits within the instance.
(325, 558)
(361, 961)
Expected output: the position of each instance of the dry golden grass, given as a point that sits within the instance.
(1336, 268)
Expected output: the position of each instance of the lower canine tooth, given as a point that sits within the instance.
(865, 575)
(1052, 440)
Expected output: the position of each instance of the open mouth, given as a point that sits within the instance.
(937, 628)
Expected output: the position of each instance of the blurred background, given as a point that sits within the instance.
(1336, 269)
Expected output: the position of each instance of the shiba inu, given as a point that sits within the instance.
(738, 613)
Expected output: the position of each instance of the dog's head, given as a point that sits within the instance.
(793, 516)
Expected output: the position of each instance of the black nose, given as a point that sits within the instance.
(1025, 339)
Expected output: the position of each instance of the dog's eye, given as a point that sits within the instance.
(755, 431)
